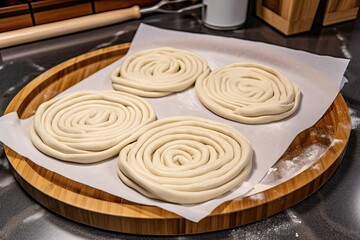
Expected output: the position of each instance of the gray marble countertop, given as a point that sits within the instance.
(333, 212)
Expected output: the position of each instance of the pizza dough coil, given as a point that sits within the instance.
(248, 93)
(185, 160)
(159, 72)
(89, 126)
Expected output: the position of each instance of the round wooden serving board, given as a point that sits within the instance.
(97, 208)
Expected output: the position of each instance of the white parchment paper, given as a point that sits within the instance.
(319, 79)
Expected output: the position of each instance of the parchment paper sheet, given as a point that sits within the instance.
(319, 79)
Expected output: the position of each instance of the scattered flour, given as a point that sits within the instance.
(286, 169)
(3, 162)
(355, 119)
(7, 181)
(336, 141)
(34, 217)
(317, 167)
(294, 218)
(343, 47)
(258, 196)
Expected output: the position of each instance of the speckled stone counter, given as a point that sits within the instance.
(333, 212)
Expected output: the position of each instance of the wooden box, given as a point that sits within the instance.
(15, 17)
(336, 11)
(46, 11)
(288, 16)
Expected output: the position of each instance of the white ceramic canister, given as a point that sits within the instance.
(224, 14)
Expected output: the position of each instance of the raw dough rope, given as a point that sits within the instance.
(248, 93)
(89, 126)
(185, 160)
(159, 72)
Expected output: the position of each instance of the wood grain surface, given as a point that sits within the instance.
(100, 209)
(15, 17)
(336, 11)
(289, 17)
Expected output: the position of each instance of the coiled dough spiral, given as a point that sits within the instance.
(248, 93)
(89, 126)
(159, 72)
(185, 160)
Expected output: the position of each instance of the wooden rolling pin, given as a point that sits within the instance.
(49, 30)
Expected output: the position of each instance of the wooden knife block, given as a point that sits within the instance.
(336, 11)
(288, 16)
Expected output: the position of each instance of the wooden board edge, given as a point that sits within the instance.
(182, 226)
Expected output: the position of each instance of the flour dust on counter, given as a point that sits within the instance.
(355, 118)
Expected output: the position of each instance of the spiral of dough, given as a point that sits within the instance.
(248, 93)
(88, 126)
(159, 72)
(185, 160)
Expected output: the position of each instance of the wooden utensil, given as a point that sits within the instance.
(49, 30)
